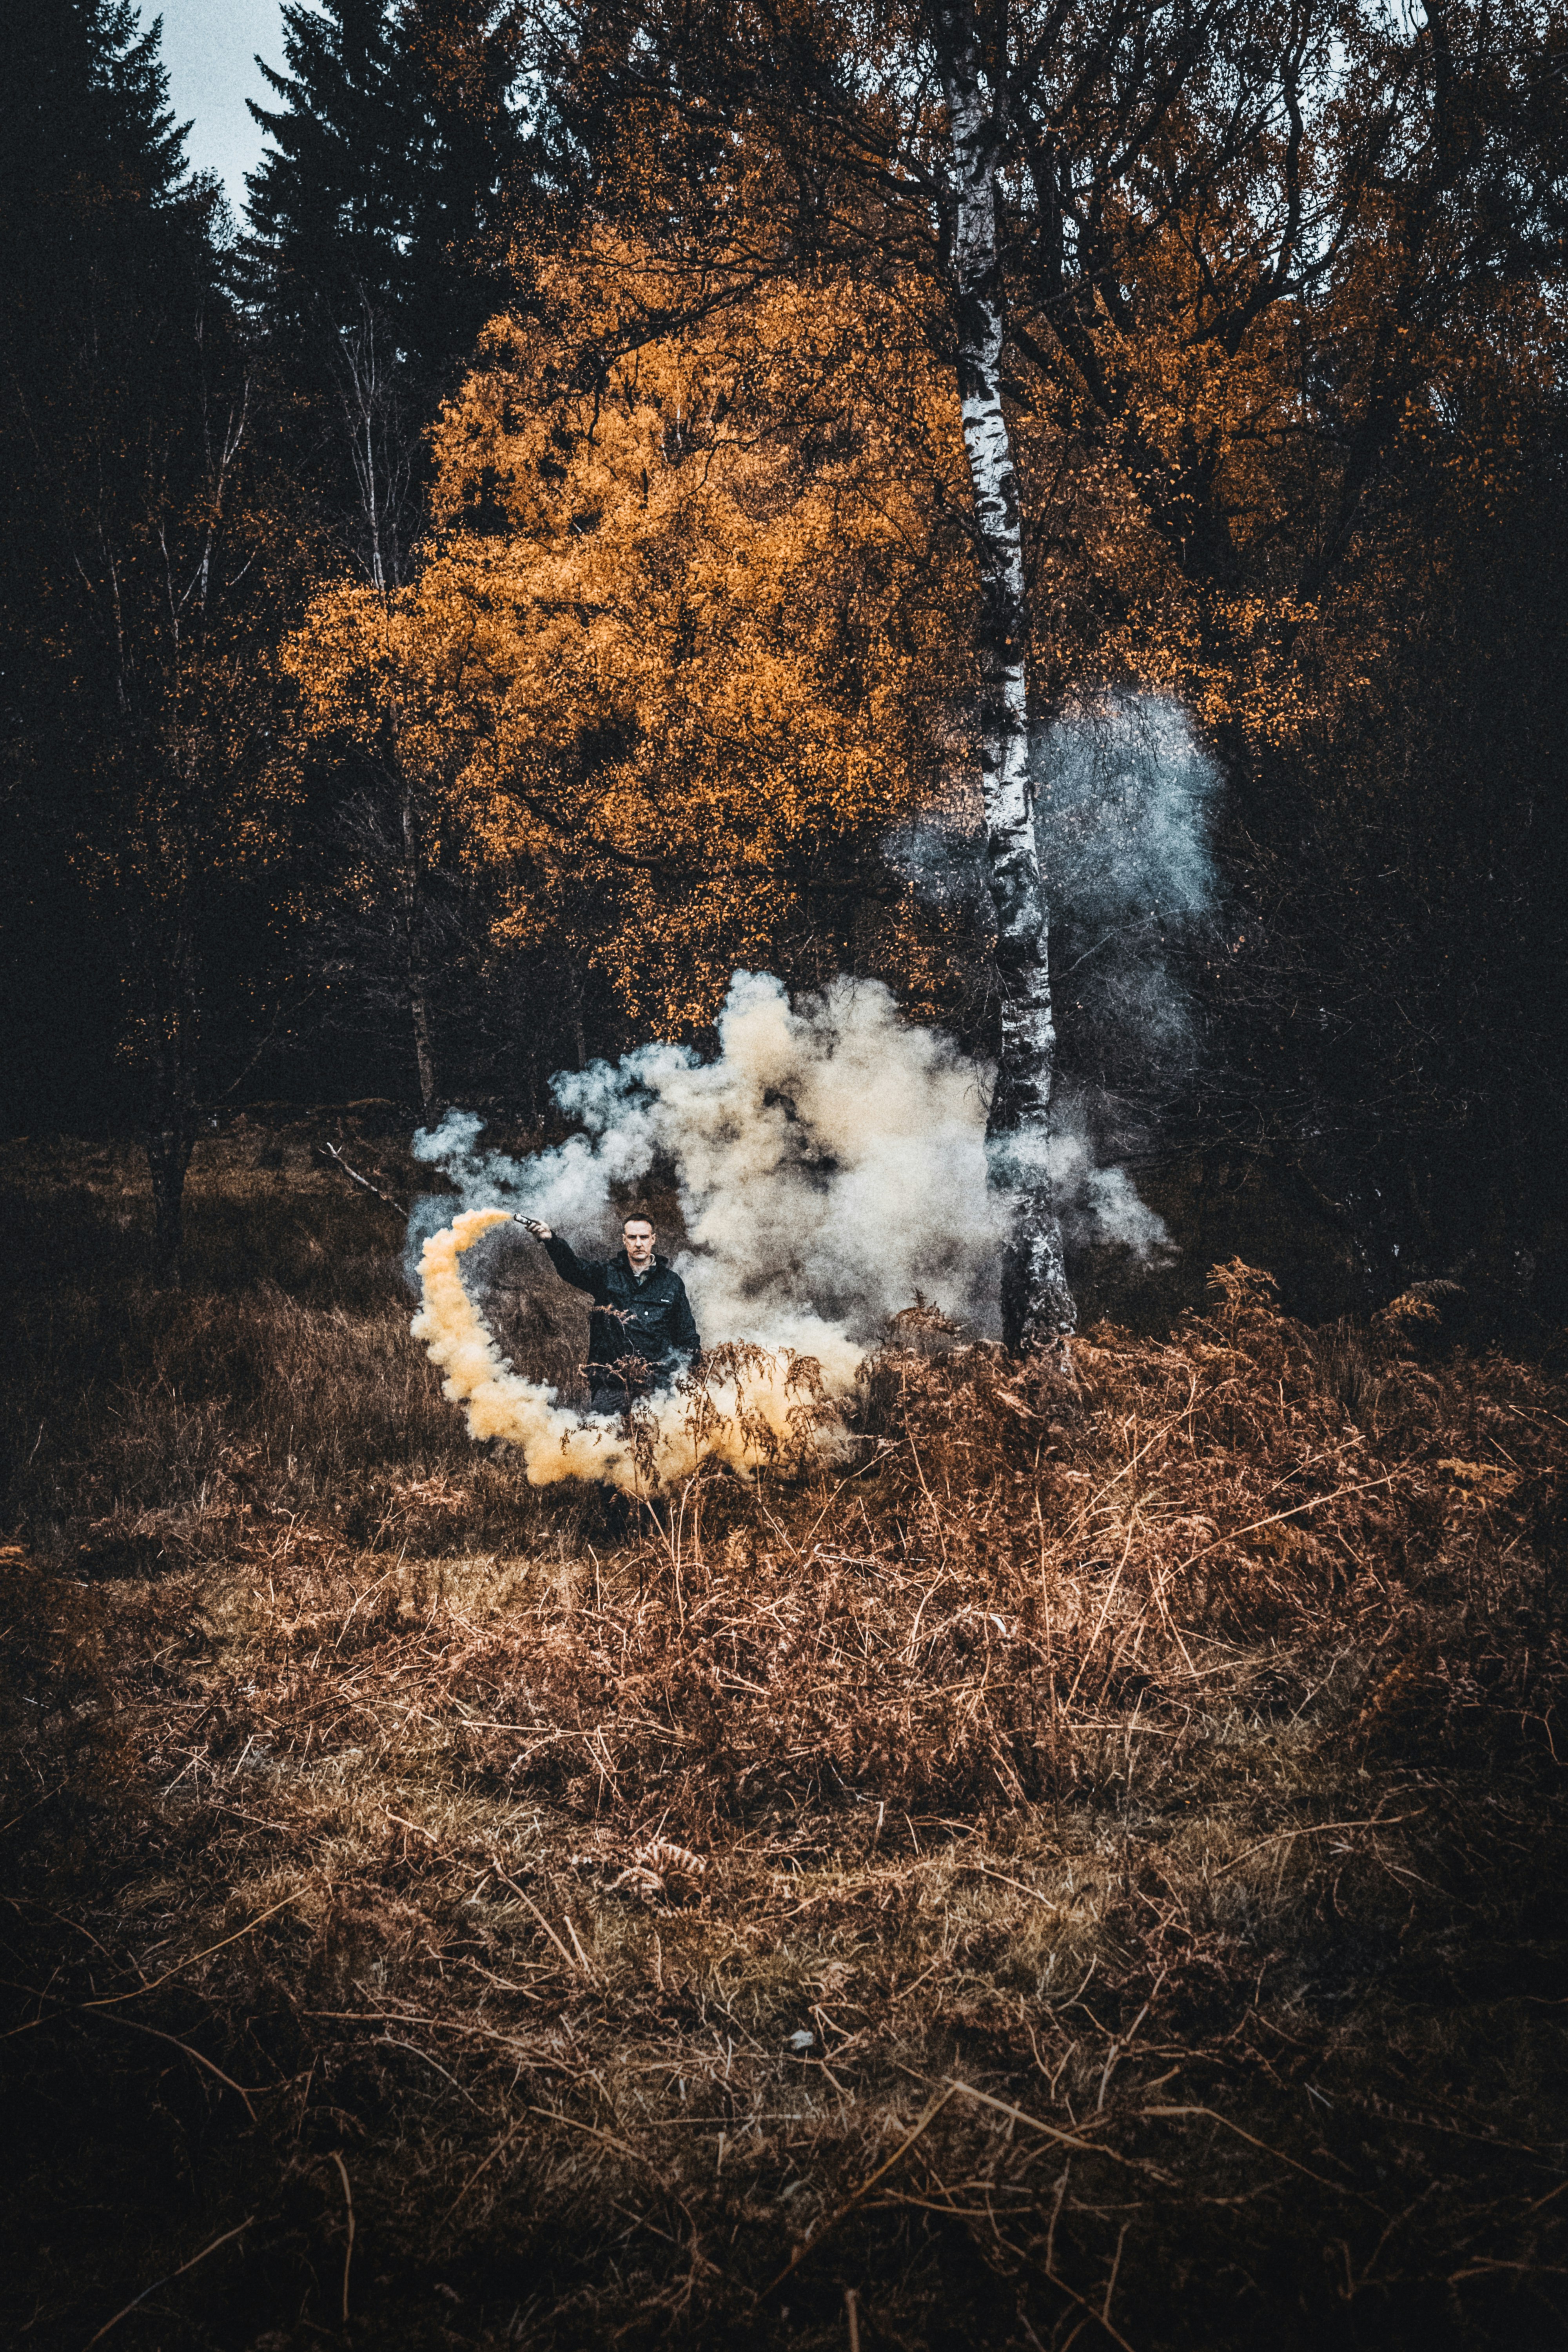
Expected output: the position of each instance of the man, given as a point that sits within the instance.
(642, 1332)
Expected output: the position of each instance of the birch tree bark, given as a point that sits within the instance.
(1036, 1304)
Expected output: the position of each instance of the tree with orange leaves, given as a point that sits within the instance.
(686, 629)
(1198, 268)
(1179, 287)
(804, 133)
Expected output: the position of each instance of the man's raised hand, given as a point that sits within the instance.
(541, 1232)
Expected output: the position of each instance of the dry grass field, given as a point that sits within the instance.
(1086, 1867)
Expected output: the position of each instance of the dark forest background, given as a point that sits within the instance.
(219, 891)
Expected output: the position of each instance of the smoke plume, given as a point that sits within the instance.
(831, 1160)
(1123, 805)
(830, 1163)
(1123, 796)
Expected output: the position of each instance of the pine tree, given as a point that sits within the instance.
(140, 577)
(91, 171)
(84, 104)
(328, 202)
(472, 169)
(375, 219)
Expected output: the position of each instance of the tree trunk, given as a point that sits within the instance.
(168, 1158)
(575, 1000)
(169, 984)
(413, 949)
(1036, 1304)
(424, 1048)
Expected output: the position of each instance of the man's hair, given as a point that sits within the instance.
(639, 1217)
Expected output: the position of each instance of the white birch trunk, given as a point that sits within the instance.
(1036, 1304)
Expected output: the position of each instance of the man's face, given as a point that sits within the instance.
(637, 1235)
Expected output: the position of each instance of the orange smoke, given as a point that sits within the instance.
(753, 1414)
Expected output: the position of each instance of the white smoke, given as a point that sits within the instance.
(831, 1166)
(1124, 795)
(830, 1163)
(1099, 1205)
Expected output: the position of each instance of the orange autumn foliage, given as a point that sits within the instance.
(691, 625)
(1230, 484)
(694, 626)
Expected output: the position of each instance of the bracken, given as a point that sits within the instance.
(1164, 1758)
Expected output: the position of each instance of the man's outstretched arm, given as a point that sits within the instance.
(565, 1260)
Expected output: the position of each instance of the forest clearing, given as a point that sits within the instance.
(1086, 1866)
(884, 682)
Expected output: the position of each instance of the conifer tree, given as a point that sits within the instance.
(472, 166)
(329, 200)
(139, 569)
(84, 102)
(371, 256)
(90, 161)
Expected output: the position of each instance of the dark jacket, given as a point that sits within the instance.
(651, 1318)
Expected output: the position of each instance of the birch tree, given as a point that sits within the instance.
(1026, 157)
(892, 131)
(1036, 1304)
(1137, 217)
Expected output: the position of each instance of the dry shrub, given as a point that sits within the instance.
(1164, 1756)
(1039, 1590)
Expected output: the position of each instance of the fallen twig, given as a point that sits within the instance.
(167, 2281)
(1314, 1829)
(110, 2000)
(1277, 2154)
(1065, 2140)
(578, 1966)
(331, 1152)
(349, 2249)
(849, 2204)
(499, 2149)
(1313, 1503)
(134, 2025)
